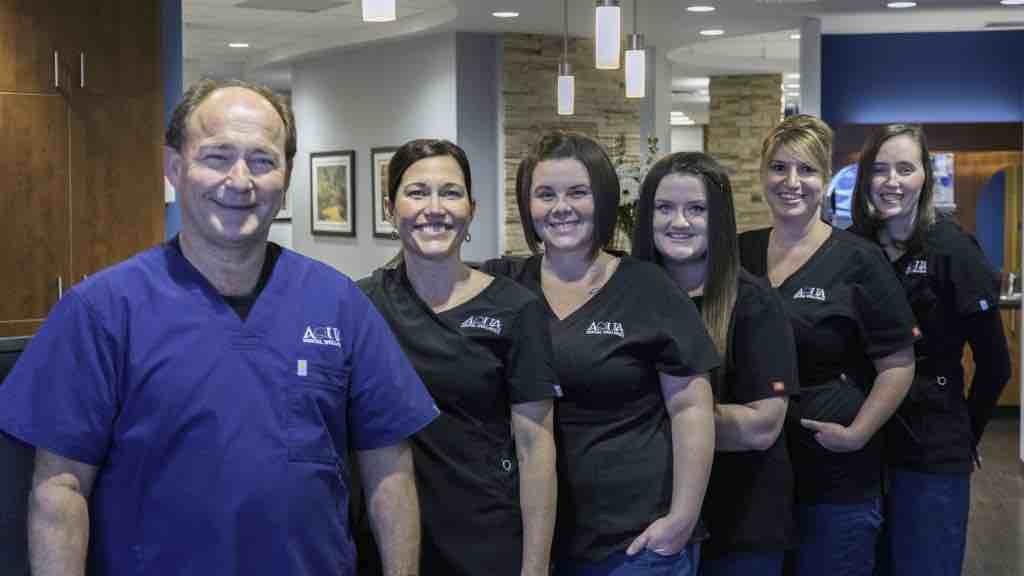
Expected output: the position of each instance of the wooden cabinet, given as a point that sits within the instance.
(80, 164)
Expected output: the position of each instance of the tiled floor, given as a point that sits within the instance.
(995, 538)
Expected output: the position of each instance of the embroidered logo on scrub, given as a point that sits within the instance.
(917, 267)
(810, 294)
(606, 328)
(322, 335)
(483, 323)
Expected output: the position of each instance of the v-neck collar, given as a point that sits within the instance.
(818, 254)
(406, 285)
(219, 304)
(593, 301)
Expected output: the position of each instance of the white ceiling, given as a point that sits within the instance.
(756, 38)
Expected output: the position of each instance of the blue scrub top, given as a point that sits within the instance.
(221, 444)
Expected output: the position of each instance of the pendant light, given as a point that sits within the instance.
(379, 11)
(636, 62)
(566, 81)
(607, 35)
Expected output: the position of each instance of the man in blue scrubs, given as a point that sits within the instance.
(194, 406)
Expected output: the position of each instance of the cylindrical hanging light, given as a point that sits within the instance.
(379, 11)
(607, 35)
(566, 90)
(566, 81)
(636, 62)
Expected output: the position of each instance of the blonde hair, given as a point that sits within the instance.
(806, 137)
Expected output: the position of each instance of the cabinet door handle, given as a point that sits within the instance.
(60, 287)
(56, 69)
(81, 68)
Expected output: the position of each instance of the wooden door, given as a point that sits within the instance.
(28, 39)
(34, 206)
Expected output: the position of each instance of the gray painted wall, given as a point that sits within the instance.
(439, 86)
(478, 78)
(378, 95)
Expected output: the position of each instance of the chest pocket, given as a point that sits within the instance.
(824, 326)
(317, 399)
(919, 291)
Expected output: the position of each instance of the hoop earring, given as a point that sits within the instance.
(469, 237)
(394, 234)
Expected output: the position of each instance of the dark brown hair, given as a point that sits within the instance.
(722, 258)
(604, 183)
(865, 219)
(415, 150)
(177, 130)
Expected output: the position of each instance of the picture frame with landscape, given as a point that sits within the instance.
(332, 193)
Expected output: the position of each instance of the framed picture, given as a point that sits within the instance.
(379, 158)
(332, 192)
(285, 213)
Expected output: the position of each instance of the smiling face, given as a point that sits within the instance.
(432, 209)
(897, 176)
(562, 205)
(680, 218)
(230, 173)
(793, 186)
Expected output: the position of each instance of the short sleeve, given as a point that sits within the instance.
(388, 401)
(884, 317)
(530, 369)
(764, 348)
(753, 249)
(975, 283)
(684, 347)
(61, 395)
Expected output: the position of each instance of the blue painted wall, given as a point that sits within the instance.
(173, 64)
(991, 211)
(926, 77)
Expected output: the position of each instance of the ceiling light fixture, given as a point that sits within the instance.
(607, 34)
(791, 76)
(636, 61)
(505, 14)
(700, 9)
(379, 11)
(901, 4)
(794, 36)
(791, 86)
(1012, 2)
(712, 32)
(238, 45)
(566, 81)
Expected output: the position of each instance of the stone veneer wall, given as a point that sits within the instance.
(530, 70)
(744, 109)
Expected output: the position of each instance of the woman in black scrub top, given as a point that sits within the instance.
(954, 295)
(854, 335)
(688, 226)
(634, 427)
(485, 470)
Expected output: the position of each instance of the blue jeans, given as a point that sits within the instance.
(744, 564)
(838, 539)
(644, 563)
(926, 524)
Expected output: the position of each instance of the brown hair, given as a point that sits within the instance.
(865, 221)
(604, 183)
(722, 260)
(177, 130)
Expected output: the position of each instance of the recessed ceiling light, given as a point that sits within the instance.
(505, 14)
(1012, 2)
(793, 94)
(901, 4)
(712, 32)
(794, 36)
(700, 9)
(791, 86)
(238, 45)
(791, 76)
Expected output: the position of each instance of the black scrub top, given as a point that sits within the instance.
(951, 289)
(476, 360)
(847, 308)
(749, 503)
(612, 429)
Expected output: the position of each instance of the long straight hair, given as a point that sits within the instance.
(865, 217)
(722, 258)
